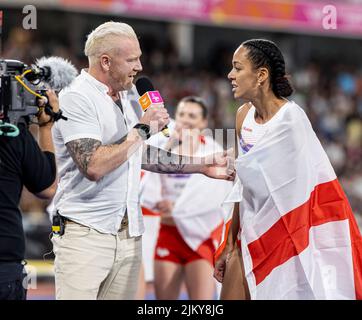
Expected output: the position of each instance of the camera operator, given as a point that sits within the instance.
(23, 163)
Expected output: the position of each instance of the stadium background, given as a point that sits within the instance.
(187, 49)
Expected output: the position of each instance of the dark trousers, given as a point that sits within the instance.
(12, 281)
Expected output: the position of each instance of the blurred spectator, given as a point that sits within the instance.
(21, 46)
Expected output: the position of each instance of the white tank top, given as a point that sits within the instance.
(173, 185)
(251, 131)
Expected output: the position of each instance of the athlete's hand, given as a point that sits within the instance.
(220, 265)
(165, 207)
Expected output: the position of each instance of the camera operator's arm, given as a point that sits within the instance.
(39, 163)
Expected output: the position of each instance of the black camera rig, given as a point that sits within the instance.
(21, 87)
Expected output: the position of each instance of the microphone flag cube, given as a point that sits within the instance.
(148, 98)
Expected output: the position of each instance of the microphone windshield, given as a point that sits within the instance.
(59, 73)
(143, 85)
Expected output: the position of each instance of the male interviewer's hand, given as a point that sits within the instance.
(220, 165)
(45, 120)
(156, 116)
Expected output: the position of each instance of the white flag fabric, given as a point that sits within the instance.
(233, 198)
(299, 237)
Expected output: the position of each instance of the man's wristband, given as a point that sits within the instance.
(144, 130)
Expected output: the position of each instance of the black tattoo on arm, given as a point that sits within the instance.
(162, 161)
(81, 150)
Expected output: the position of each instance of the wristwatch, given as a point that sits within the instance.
(144, 130)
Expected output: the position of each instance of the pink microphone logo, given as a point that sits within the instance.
(155, 97)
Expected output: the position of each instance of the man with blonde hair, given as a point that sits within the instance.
(100, 151)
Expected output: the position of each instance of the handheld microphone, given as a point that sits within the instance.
(148, 96)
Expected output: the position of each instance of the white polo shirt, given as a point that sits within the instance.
(92, 113)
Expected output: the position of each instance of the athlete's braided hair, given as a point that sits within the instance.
(265, 53)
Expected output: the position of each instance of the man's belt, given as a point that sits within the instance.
(124, 222)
